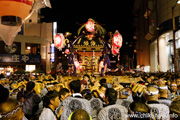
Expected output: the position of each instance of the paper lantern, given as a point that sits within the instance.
(20, 8)
(90, 26)
(116, 42)
(117, 39)
(59, 41)
(13, 13)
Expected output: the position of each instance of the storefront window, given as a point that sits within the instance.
(32, 49)
(177, 39)
(30, 68)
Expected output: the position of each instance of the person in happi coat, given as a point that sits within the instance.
(112, 111)
(160, 111)
(163, 94)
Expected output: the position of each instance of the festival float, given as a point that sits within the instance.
(89, 52)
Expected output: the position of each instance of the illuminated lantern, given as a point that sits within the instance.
(13, 13)
(90, 26)
(19, 8)
(59, 41)
(116, 42)
(117, 39)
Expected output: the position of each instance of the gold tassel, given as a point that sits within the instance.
(79, 40)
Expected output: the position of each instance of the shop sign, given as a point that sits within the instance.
(14, 58)
(52, 52)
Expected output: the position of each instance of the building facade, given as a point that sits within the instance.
(156, 33)
(30, 48)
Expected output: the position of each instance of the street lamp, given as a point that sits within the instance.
(174, 40)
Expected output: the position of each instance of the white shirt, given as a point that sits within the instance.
(96, 105)
(24, 118)
(47, 114)
(113, 112)
(165, 101)
(71, 104)
(160, 111)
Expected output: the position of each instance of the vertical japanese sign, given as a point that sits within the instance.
(52, 52)
(54, 29)
(52, 44)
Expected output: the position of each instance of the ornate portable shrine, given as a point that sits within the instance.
(90, 46)
(85, 51)
(89, 50)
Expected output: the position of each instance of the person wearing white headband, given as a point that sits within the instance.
(174, 92)
(163, 94)
(162, 81)
(160, 111)
(50, 87)
(11, 110)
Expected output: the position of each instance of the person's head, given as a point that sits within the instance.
(86, 93)
(173, 87)
(75, 86)
(51, 99)
(50, 86)
(102, 81)
(168, 82)
(138, 108)
(12, 110)
(163, 91)
(30, 86)
(155, 81)
(80, 114)
(4, 94)
(149, 80)
(178, 81)
(58, 87)
(93, 79)
(86, 77)
(124, 93)
(103, 88)
(83, 84)
(175, 110)
(63, 94)
(161, 81)
(110, 96)
(152, 94)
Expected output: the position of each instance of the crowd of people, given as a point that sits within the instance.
(151, 96)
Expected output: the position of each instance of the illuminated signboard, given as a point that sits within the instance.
(52, 52)
(54, 26)
(19, 58)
